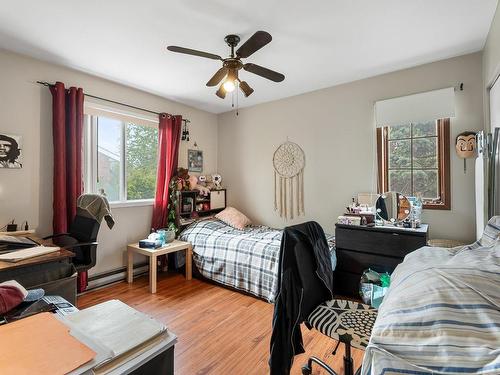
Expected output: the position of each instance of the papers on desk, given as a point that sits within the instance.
(115, 325)
(18, 255)
(9, 243)
(40, 345)
(17, 240)
(100, 339)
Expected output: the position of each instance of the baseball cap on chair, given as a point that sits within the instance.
(12, 294)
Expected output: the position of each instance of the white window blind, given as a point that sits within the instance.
(431, 105)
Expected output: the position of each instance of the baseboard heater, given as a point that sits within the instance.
(119, 274)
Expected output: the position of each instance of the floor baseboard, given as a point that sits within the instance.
(105, 278)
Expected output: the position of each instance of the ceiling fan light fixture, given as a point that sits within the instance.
(230, 81)
(245, 87)
(221, 93)
(226, 78)
(229, 85)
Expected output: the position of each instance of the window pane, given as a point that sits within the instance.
(141, 151)
(426, 183)
(399, 154)
(400, 181)
(425, 152)
(109, 145)
(398, 132)
(424, 129)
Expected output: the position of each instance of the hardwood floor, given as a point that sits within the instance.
(219, 331)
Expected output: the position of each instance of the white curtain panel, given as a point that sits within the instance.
(495, 105)
(423, 106)
(495, 123)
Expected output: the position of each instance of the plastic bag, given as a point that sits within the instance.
(373, 286)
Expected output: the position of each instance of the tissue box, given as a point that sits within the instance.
(349, 220)
(149, 244)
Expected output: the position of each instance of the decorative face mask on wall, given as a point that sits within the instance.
(465, 145)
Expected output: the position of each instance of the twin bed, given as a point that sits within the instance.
(243, 259)
(440, 316)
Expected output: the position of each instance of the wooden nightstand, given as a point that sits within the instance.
(379, 248)
(153, 254)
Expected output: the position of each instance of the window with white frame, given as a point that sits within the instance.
(120, 156)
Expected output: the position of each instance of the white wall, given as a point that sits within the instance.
(335, 128)
(26, 110)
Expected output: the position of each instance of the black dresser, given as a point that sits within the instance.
(379, 248)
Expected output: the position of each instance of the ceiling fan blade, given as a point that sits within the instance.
(254, 43)
(221, 93)
(264, 72)
(217, 77)
(194, 52)
(247, 90)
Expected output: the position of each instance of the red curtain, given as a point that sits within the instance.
(67, 128)
(168, 155)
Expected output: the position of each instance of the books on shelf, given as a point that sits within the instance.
(184, 221)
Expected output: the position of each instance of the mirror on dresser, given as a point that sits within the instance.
(392, 207)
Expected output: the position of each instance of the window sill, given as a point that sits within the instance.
(436, 206)
(134, 203)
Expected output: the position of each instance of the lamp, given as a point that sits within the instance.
(221, 93)
(230, 81)
(228, 86)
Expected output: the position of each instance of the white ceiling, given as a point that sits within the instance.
(316, 43)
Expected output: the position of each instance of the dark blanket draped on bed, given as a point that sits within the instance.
(303, 247)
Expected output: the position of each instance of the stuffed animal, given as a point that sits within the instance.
(209, 182)
(202, 180)
(193, 185)
(182, 179)
(217, 179)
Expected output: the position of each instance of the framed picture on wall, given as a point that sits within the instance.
(195, 161)
(10, 151)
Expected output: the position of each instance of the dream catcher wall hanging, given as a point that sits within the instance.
(289, 161)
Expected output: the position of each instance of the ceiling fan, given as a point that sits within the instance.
(232, 64)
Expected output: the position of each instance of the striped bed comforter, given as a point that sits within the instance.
(441, 314)
(243, 259)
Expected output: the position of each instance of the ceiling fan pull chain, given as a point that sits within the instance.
(237, 98)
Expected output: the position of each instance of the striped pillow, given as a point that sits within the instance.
(491, 232)
(490, 235)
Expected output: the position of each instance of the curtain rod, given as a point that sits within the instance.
(113, 101)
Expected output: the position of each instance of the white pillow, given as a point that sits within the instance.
(232, 217)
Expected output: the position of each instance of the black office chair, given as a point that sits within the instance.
(346, 321)
(81, 240)
(82, 236)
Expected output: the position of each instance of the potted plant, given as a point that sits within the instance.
(172, 227)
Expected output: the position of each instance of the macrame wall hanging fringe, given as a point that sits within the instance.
(289, 161)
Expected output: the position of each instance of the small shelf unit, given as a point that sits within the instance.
(192, 205)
